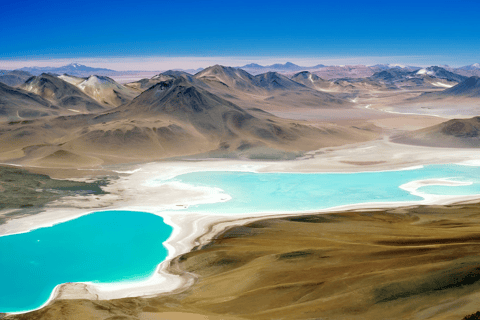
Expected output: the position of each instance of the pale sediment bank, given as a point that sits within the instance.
(136, 191)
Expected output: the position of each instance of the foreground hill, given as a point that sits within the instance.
(173, 118)
(407, 263)
(455, 133)
(20, 104)
(61, 93)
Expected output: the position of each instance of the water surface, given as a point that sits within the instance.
(115, 246)
(293, 192)
(102, 247)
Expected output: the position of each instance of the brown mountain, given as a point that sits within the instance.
(107, 91)
(103, 89)
(14, 78)
(455, 133)
(18, 104)
(469, 88)
(270, 91)
(145, 84)
(233, 78)
(173, 118)
(61, 93)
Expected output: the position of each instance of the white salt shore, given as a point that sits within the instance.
(137, 191)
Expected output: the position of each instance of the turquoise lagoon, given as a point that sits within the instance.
(115, 246)
(294, 192)
(102, 247)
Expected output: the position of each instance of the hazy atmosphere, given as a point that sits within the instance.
(239, 160)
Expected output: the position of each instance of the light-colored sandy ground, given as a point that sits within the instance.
(137, 190)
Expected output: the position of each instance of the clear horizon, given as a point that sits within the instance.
(191, 34)
(166, 63)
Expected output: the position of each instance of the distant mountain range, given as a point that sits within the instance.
(74, 69)
(14, 78)
(475, 66)
(51, 119)
(288, 68)
(255, 69)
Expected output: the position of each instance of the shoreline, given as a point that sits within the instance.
(192, 229)
(205, 228)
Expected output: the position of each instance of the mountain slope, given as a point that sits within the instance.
(145, 84)
(173, 118)
(269, 91)
(469, 71)
(72, 79)
(19, 104)
(209, 114)
(455, 133)
(61, 93)
(441, 73)
(468, 88)
(237, 79)
(275, 81)
(427, 78)
(107, 91)
(14, 78)
(311, 80)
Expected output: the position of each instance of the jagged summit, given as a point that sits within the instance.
(106, 90)
(175, 97)
(275, 81)
(441, 73)
(227, 76)
(61, 93)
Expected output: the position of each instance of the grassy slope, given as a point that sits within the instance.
(420, 262)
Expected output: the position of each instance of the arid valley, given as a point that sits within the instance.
(74, 144)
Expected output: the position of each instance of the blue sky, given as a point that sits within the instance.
(392, 31)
